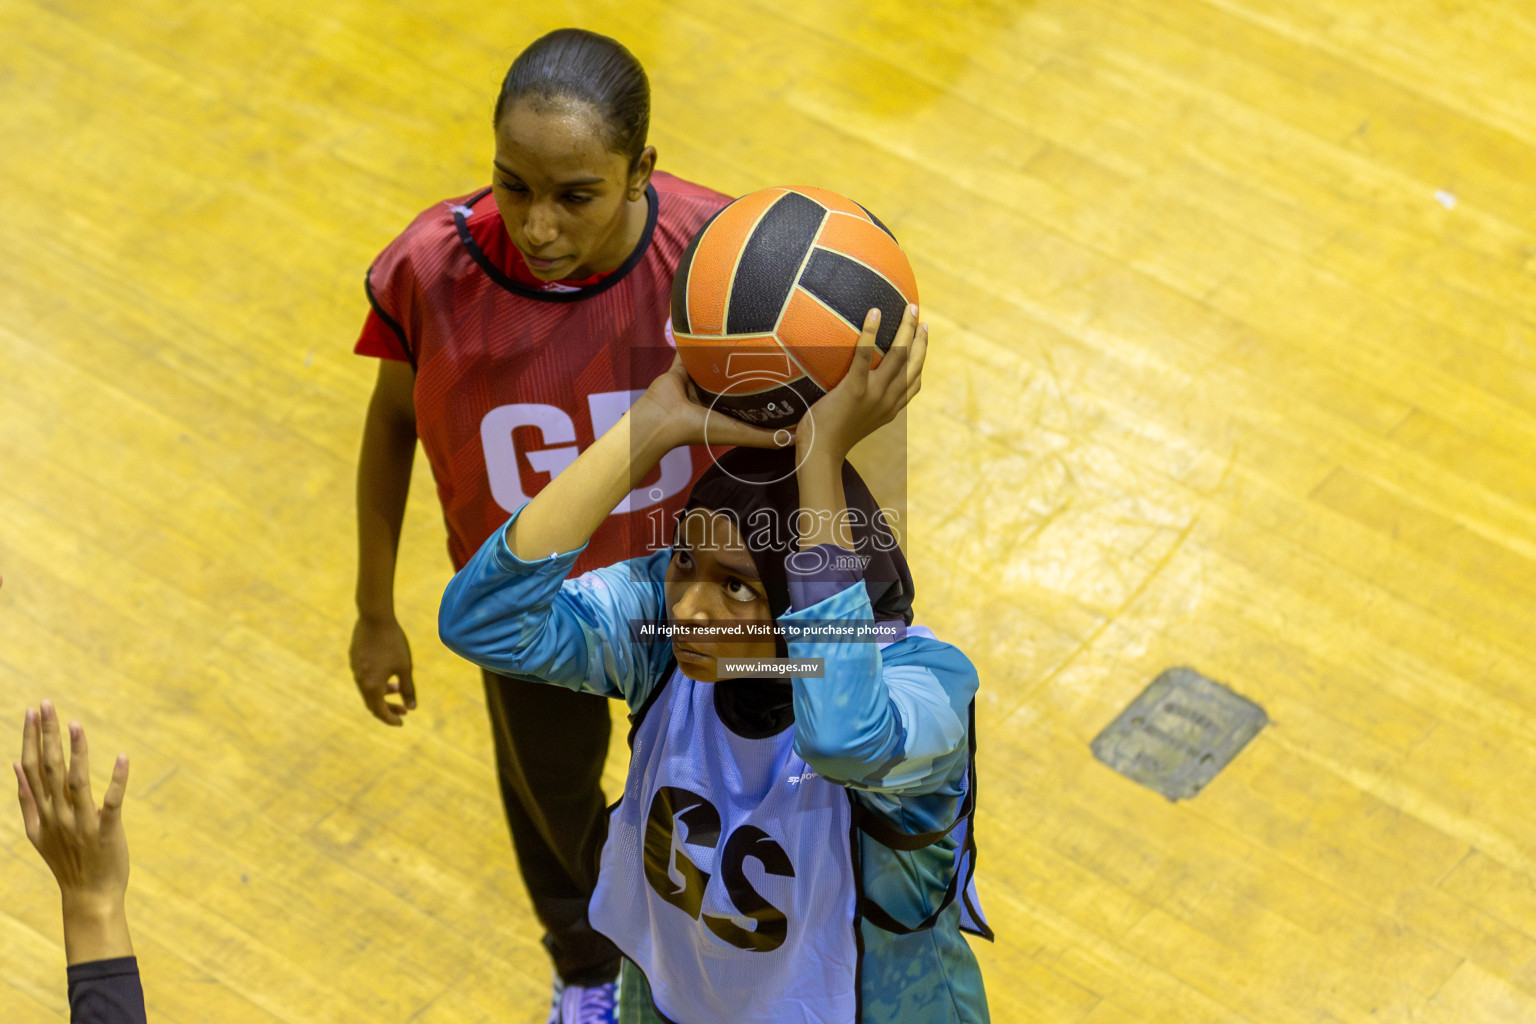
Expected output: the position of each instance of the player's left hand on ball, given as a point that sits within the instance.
(670, 407)
(868, 397)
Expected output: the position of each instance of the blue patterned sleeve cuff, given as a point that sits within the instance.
(557, 564)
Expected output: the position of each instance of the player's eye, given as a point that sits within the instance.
(739, 590)
(517, 188)
(577, 198)
(681, 560)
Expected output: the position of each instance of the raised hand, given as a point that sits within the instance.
(866, 399)
(83, 845)
(669, 415)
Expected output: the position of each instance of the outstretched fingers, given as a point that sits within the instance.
(31, 766)
(80, 779)
(112, 803)
(84, 847)
(29, 815)
(52, 756)
(37, 805)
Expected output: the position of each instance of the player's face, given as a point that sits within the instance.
(711, 579)
(570, 204)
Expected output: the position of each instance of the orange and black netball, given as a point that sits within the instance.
(770, 296)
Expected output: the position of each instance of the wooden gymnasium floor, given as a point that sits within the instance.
(1234, 366)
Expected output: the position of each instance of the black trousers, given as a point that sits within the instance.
(550, 747)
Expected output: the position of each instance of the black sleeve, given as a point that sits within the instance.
(106, 992)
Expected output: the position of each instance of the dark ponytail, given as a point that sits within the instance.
(574, 64)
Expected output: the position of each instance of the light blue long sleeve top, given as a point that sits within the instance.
(889, 724)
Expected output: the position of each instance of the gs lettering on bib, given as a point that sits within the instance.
(728, 870)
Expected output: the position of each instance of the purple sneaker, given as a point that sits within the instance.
(584, 1004)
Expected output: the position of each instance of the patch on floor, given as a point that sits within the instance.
(1181, 731)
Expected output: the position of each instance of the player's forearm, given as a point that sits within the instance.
(95, 929)
(891, 719)
(524, 619)
(383, 484)
(565, 514)
(845, 727)
(820, 478)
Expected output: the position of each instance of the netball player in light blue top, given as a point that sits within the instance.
(787, 851)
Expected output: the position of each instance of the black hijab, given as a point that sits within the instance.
(757, 489)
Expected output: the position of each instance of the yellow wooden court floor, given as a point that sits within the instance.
(1234, 366)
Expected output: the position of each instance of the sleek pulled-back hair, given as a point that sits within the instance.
(573, 64)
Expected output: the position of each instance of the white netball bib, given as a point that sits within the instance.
(727, 874)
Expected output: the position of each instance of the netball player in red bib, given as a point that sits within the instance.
(514, 326)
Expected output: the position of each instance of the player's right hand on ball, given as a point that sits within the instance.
(381, 665)
(670, 410)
